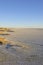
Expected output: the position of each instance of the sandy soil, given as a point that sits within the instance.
(27, 47)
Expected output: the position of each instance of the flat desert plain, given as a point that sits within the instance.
(26, 49)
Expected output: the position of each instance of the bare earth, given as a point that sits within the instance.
(27, 47)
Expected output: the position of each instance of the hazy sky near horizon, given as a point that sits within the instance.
(21, 13)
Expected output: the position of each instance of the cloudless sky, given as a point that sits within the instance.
(21, 13)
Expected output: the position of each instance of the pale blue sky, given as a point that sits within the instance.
(21, 13)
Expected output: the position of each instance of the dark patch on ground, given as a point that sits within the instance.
(32, 58)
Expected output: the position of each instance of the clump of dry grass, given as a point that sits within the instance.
(22, 45)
